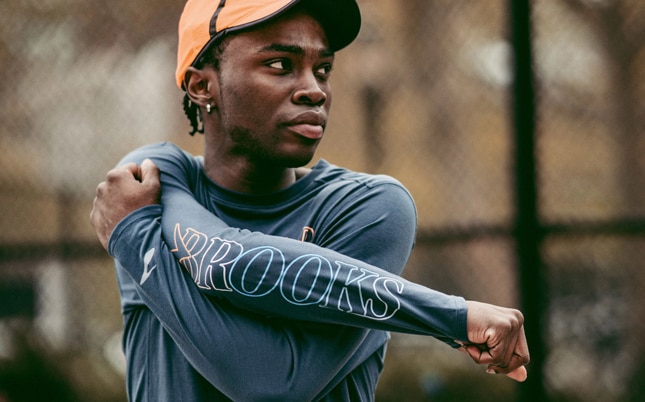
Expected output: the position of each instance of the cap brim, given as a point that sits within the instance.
(341, 20)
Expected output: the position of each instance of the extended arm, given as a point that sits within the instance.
(297, 280)
(304, 281)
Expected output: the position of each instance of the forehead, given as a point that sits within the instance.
(294, 28)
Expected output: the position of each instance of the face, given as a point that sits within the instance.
(274, 93)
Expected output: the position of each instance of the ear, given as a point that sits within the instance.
(202, 86)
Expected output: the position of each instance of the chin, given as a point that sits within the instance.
(297, 158)
(297, 161)
(282, 160)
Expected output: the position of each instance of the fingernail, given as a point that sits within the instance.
(491, 371)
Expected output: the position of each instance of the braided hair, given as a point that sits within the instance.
(194, 115)
(193, 112)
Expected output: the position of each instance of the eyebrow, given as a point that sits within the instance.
(296, 50)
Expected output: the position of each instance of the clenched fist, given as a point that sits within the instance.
(496, 339)
(125, 189)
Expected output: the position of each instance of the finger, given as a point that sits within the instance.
(93, 219)
(504, 344)
(149, 171)
(519, 374)
(96, 219)
(516, 369)
(522, 347)
(461, 348)
(478, 354)
(483, 357)
(521, 351)
(506, 355)
(521, 356)
(119, 173)
(131, 167)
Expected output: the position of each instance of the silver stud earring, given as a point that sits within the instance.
(208, 108)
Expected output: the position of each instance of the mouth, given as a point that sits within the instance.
(310, 125)
(311, 131)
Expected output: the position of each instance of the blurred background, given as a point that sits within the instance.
(530, 188)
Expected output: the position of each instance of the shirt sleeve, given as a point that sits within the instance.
(291, 279)
(297, 280)
(245, 355)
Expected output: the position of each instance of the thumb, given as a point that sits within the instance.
(149, 172)
(519, 374)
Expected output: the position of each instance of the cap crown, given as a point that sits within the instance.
(205, 21)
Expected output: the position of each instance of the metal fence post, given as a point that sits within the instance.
(528, 231)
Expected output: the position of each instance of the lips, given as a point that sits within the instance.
(310, 131)
(309, 125)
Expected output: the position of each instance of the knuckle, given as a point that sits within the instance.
(515, 320)
(499, 361)
(518, 316)
(113, 175)
(506, 327)
(100, 190)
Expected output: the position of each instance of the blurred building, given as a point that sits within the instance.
(424, 95)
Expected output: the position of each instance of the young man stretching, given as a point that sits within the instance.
(245, 276)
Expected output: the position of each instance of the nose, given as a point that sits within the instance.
(311, 91)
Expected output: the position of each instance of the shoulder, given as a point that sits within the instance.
(376, 211)
(353, 184)
(366, 199)
(159, 150)
(166, 155)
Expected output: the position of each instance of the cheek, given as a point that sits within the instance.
(247, 106)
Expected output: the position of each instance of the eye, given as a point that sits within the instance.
(280, 64)
(324, 71)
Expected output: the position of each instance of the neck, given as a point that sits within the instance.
(237, 172)
(249, 178)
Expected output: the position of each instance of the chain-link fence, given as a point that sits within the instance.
(425, 94)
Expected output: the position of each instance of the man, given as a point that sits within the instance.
(290, 276)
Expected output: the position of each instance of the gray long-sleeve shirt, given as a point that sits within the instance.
(279, 297)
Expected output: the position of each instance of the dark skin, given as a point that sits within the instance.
(269, 99)
(286, 69)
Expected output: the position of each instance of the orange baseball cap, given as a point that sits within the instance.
(206, 21)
